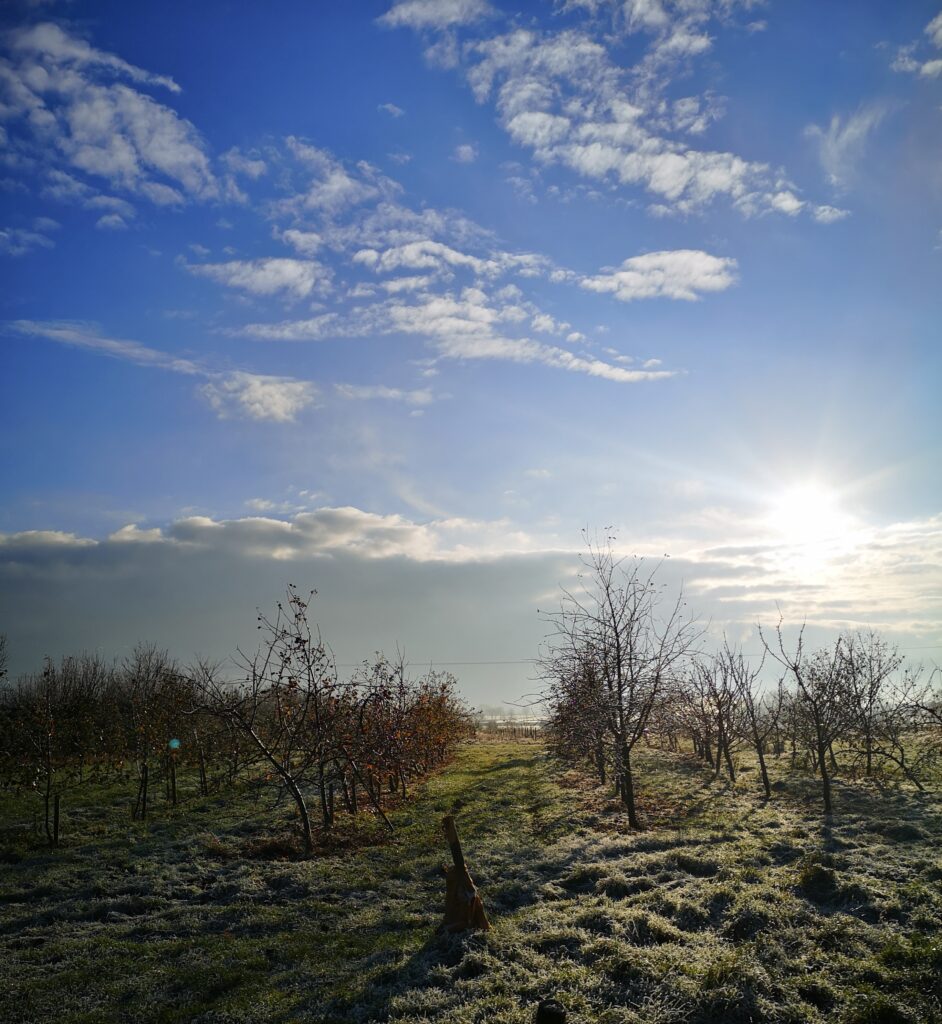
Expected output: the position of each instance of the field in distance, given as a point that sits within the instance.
(725, 908)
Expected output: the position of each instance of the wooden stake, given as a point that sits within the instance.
(463, 906)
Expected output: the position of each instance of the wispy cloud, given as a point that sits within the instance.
(368, 392)
(565, 97)
(19, 242)
(233, 392)
(50, 41)
(65, 100)
(843, 143)
(331, 186)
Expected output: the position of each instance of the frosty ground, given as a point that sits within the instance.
(725, 907)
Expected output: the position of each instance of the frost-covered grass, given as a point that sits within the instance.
(727, 908)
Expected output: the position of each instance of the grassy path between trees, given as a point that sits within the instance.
(726, 908)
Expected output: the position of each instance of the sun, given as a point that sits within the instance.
(808, 515)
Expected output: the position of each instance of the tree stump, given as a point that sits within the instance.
(463, 907)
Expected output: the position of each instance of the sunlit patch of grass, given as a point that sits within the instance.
(727, 907)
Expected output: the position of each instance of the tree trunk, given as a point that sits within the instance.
(762, 766)
(825, 777)
(288, 779)
(628, 788)
(600, 761)
(46, 798)
(140, 805)
(322, 792)
(204, 789)
(729, 759)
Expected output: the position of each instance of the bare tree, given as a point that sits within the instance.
(637, 649)
(152, 690)
(54, 742)
(762, 711)
(283, 705)
(870, 663)
(820, 695)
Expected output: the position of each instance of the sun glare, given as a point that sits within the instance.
(807, 515)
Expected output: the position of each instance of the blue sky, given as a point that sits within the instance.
(394, 299)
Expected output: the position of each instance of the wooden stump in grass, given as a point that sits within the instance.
(463, 907)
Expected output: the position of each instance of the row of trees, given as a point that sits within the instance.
(287, 720)
(624, 664)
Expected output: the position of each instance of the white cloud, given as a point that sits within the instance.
(468, 327)
(825, 214)
(369, 566)
(906, 61)
(435, 14)
(133, 534)
(111, 222)
(248, 166)
(466, 153)
(415, 283)
(306, 243)
(259, 397)
(330, 186)
(324, 531)
(934, 30)
(111, 203)
(296, 278)
(545, 324)
(786, 202)
(64, 187)
(326, 325)
(423, 255)
(677, 274)
(391, 109)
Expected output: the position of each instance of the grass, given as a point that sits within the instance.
(727, 908)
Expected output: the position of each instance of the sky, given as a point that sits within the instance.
(395, 300)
